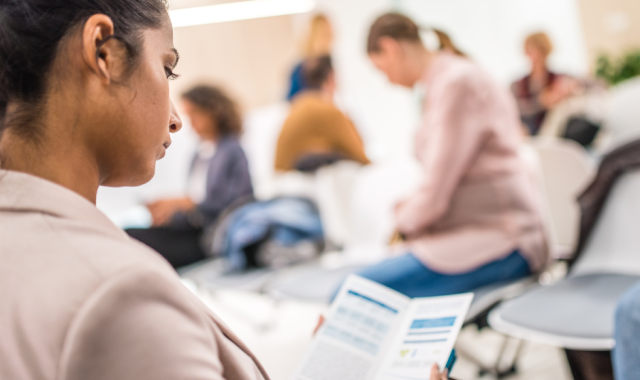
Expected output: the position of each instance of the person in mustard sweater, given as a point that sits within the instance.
(317, 132)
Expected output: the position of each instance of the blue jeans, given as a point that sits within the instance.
(408, 275)
(626, 354)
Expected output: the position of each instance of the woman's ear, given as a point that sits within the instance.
(100, 50)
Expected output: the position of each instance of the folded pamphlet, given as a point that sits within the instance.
(374, 333)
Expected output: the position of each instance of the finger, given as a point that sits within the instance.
(162, 217)
(320, 323)
(435, 373)
(154, 216)
(157, 218)
(445, 374)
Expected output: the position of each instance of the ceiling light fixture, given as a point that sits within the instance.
(243, 10)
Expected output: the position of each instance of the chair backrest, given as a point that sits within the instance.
(376, 190)
(566, 170)
(614, 244)
(333, 195)
(356, 204)
(261, 131)
(622, 121)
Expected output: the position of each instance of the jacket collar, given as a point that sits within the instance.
(21, 192)
(238, 342)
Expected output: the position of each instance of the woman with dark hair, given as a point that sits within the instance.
(476, 217)
(84, 102)
(219, 178)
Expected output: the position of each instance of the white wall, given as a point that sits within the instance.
(389, 112)
(611, 26)
(490, 31)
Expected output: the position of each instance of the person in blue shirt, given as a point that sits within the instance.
(317, 43)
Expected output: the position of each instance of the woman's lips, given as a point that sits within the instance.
(164, 151)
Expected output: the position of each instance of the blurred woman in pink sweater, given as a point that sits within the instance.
(476, 218)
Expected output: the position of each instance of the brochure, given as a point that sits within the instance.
(374, 333)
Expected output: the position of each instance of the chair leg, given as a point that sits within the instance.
(262, 327)
(507, 366)
(502, 367)
(590, 365)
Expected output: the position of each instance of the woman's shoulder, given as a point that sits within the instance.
(464, 77)
(69, 262)
(309, 104)
(105, 253)
(101, 264)
(230, 142)
(452, 69)
(231, 147)
(145, 320)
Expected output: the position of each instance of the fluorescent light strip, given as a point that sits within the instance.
(243, 10)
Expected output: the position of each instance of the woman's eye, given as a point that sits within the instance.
(170, 74)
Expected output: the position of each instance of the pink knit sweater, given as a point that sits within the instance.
(477, 202)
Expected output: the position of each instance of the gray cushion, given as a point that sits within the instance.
(581, 306)
(486, 297)
(212, 274)
(318, 284)
(311, 282)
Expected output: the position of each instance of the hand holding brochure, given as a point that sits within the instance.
(374, 333)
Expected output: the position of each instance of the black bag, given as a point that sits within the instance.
(311, 162)
(581, 130)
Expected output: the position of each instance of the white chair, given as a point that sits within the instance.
(212, 275)
(356, 206)
(262, 127)
(310, 282)
(578, 312)
(566, 170)
(209, 277)
(375, 191)
(333, 185)
(622, 119)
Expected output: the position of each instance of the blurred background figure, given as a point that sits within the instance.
(316, 132)
(476, 217)
(254, 58)
(319, 42)
(219, 177)
(542, 89)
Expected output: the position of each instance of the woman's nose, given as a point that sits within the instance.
(175, 123)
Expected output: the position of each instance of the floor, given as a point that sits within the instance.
(279, 333)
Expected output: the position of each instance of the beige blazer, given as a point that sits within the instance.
(79, 300)
(477, 202)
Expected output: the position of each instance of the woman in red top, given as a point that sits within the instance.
(542, 89)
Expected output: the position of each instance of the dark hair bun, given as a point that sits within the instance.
(316, 71)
